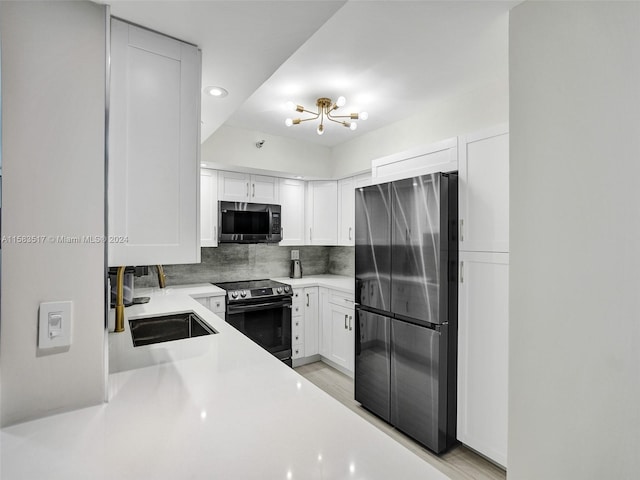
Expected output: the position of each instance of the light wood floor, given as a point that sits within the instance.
(459, 463)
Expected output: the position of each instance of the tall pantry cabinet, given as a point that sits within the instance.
(483, 319)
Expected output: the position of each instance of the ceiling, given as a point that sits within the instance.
(388, 58)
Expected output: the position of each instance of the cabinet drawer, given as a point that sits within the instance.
(217, 304)
(340, 299)
(297, 330)
(298, 295)
(297, 351)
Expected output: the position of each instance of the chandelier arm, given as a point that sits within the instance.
(350, 116)
(337, 121)
(307, 119)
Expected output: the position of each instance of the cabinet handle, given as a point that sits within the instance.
(461, 272)
(254, 190)
(350, 234)
(345, 322)
(310, 235)
(461, 230)
(350, 318)
(307, 299)
(247, 189)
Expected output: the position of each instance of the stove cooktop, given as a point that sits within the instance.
(252, 289)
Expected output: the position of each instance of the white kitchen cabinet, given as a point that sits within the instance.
(242, 187)
(311, 324)
(483, 328)
(208, 208)
(346, 211)
(215, 303)
(292, 200)
(337, 328)
(322, 213)
(304, 325)
(154, 149)
(484, 191)
(437, 157)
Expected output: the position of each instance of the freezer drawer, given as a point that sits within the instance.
(372, 362)
(419, 383)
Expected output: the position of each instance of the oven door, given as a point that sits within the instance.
(268, 323)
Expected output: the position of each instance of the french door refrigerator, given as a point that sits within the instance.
(406, 259)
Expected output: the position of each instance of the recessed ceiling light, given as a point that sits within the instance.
(214, 91)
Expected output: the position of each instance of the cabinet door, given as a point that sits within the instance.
(322, 213)
(346, 212)
(208, 208)
(234, 187)
(292, 193)
(311, 326)
(483, 328)
(263, 189)
(484, 191)
(341, 351)
(154, 129)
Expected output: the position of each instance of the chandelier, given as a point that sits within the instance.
(325, 109)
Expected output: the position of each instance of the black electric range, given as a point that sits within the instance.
(261, 310)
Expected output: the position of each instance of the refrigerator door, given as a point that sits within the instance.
(415, 239)
(372, 362)
(373, 249)
(418, 383)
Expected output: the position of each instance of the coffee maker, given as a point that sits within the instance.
(296, 269)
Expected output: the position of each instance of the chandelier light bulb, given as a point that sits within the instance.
(290, 106)
(353, 125)
(288, 122)
(320, 129)
(341, 101)
(363, 115)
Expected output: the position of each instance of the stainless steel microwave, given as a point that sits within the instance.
(249, 223)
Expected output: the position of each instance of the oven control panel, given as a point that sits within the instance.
(260, 292)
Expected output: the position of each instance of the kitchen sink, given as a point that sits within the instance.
(165, 328)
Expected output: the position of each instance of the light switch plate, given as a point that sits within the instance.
(54, 324)
(295, 254)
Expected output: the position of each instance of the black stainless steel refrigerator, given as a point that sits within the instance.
(406, 305)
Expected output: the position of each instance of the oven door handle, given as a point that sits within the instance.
(258, 306)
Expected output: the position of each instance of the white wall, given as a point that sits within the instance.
(53, 67)
(476, 110)
(574, 380)
(236, 147)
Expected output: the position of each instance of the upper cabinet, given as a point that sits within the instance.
(292, 200)
(242, 187)
(208, 208)
(346, 207)
(484, 191)
(154, 142)
(322, 213)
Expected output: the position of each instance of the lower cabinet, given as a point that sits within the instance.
(304, 325)
(214, 303)
(483, 322)
(337, 327)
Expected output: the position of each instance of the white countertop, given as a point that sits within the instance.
(218, 407)
(335, 282)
